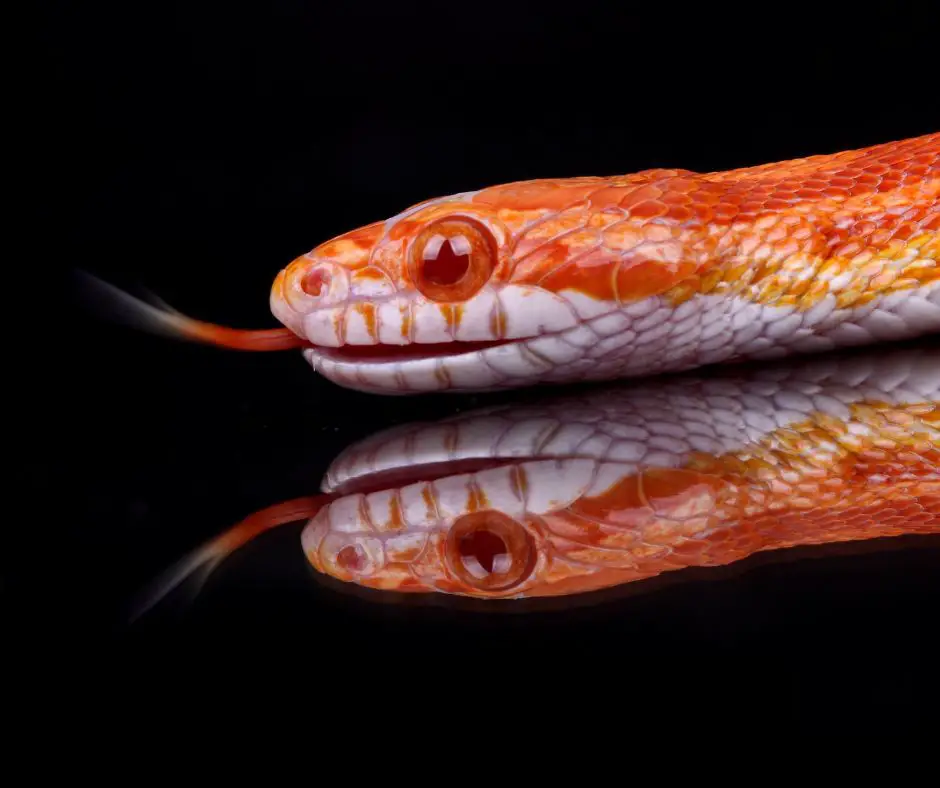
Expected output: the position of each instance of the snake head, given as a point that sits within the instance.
(482, 290)
(508, 502)
(556, 281)
(579, 493)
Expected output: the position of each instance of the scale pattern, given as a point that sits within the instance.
(632, 482)
(601, 278)
(662, 270)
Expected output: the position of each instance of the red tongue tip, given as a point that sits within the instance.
(158, 318)
(204, 559)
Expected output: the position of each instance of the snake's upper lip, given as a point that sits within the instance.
(377, 354)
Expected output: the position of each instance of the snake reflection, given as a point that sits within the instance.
(578, 492)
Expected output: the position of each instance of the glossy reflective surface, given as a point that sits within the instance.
(565, 494)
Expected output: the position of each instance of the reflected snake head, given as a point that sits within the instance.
(578, 493)
(582, 493)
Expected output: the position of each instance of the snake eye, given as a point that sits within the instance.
(452, 259)
(490, 551)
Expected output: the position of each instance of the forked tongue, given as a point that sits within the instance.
(161, 319)
(204, 559)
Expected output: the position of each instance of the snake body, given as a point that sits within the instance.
(601, 278)
(554, 281)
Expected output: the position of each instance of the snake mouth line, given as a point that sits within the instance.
(378, 354)
(424, 472)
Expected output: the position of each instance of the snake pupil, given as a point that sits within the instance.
(490, 551)
(448, 267)
(486, 548)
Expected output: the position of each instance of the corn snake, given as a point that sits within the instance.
(554, 281)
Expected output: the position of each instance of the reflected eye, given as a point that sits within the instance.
(452, 259)
(490, 551)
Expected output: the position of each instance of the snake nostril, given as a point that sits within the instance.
(351, 558)
(310, 285)
(316, 282)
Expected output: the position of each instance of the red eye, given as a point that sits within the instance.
(490, 551)
(452, 259)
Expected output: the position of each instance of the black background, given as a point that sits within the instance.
(192, 150)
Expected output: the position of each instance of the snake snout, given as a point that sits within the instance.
(313, 284)
(306, 286)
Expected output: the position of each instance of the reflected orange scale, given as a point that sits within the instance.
(811, 483)
(720, 509)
